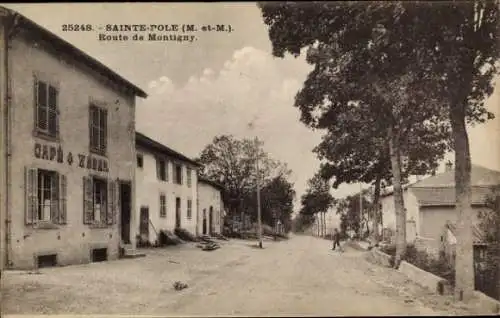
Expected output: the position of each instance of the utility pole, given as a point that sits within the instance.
(360, 229)
(259, 222)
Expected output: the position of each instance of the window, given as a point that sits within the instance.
(163, 206)
(99, 201)
(189, 209)
(178, 174)
(47, 114)
(189, 177)
(161, 169)
(140, 161)
(45, 197)
(98, 122)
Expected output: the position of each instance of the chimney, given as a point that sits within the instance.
(448, 166)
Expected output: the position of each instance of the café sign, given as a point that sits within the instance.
(56, 153)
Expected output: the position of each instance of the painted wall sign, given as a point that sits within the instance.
(56, 153)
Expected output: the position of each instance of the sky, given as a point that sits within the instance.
(219, 83)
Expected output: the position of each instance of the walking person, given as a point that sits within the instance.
(336, 240)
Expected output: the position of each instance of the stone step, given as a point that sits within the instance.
(129, 251)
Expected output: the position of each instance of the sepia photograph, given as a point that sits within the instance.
(239, 159)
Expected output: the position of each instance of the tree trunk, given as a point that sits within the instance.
(318, 219)
(464, 262)
(398, 196)
(326, 228)
(324, 224)
(376, 210)
(321, 219)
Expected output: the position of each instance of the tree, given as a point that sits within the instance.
(302, 222)
(277, 201)
(386, 107)
(232, 162)
(453, 44)
(350, 211)
(317, 200)
(463, 52)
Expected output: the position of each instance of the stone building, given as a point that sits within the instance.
(67, 150)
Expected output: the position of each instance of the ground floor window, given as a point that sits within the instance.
(99, 201)
(45, 196)
(163, 206)
(189, 208)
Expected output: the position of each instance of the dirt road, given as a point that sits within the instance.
(298, 277)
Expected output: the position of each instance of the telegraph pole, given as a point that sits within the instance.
(360, 229)
(259, 222)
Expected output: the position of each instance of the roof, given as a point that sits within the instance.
(436, 196)
(63, 46)
(211, 182)
(439, 190)
(480, 176)
(148, 143)
(478, 236)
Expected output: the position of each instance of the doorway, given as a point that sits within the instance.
(125, 211)
(144, 224)
(211, 220)
(177, 212)
(204, 221)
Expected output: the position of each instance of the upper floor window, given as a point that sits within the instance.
(178, 173)
(161, 169)
(47, 113)
(140, 161)
(98, 123)
(189, 177)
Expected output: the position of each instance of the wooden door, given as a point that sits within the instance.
(144, 224)
(177, 212)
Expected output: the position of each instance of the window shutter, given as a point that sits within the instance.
(166, 170)
(35, 101)
(158, 168)
(54, 198)
(104, 136)
(111, 202)
(92, 125)
(160, 205)
(88, 205)
(56, 101)
(31, 201)
(105, 206)
(62, 199)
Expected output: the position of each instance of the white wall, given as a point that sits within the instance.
(209, 196)
(77, 85)
(389, 212)
(149, 188)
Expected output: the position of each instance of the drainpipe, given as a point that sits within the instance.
(8, 141)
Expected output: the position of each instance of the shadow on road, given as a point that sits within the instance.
(255, 245)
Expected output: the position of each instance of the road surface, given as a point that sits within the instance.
(298, 277)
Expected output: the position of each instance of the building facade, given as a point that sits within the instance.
(210, 207)
(436, 203)
(389, 213)
(166, 183)
(68, 153)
